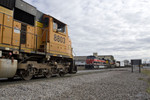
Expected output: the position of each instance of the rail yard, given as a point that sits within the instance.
(37, 62)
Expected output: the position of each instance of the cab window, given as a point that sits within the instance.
(59, 26)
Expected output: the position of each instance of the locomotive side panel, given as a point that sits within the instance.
(7, 29)
(6, 11)
(38, 35)
(16, 33)
(1, 27)
(30, 37)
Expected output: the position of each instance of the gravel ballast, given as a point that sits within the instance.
(109, 85)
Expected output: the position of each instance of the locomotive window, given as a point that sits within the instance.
(54, 26)
(59, 26)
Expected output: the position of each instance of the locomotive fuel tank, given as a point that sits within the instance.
(8, 68)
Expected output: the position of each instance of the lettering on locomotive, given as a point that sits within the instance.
(59, 38)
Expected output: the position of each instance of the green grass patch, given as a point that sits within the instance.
(141, 79)
(147, 72)
(148, 90)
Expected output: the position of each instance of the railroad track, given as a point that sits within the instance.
(5, 82)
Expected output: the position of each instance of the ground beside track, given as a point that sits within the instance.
(118, 84)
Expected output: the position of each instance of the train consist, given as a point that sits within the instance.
(96, 62)
(32, 43)
(93, 62)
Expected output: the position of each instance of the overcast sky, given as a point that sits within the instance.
(109, 27)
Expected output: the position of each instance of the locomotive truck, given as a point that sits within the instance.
(32, 43)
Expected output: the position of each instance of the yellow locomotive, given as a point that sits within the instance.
(32, 43)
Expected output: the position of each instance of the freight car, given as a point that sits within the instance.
(32, 43)
(93, 62)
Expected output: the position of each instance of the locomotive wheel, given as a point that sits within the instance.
(48, 74)
(26, 75)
